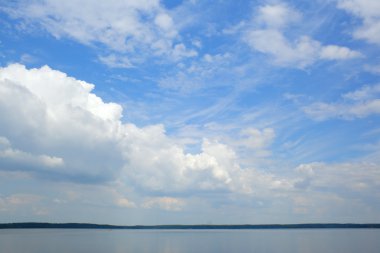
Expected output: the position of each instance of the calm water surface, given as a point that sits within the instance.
(186, 241)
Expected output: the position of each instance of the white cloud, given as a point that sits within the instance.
(165, 203)
(364, 93)
(44, 113)
(124, 202)
(375, 69)
(338, 53)
(197, 43)
(27, 159)
(369, 12)
(347, 177)
(356, 104)
(300, 53)
(256, 139)
(277, 16)
(208, 71)
(323, 111)
(180, 51)
(158, 163)
(40, 126)
(165, 22)
(324, 189)
(116, 61)
(27, 58)
(267, 35)
(13, 201)
(70, 133)
(121, 26)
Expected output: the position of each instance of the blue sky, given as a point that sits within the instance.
(160, 112)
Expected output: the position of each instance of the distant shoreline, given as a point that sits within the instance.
(32, 225)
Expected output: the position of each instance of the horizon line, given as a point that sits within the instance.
(78, 225)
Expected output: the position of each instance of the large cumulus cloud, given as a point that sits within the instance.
(54, 126)
(44, 113)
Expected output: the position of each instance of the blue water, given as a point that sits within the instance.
(186, 241)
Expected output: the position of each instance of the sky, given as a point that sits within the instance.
(190, 112)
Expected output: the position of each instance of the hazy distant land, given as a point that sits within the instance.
(27, 225)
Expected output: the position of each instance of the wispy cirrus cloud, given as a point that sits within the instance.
(122, 27)
(369, 12)
(356, 104)
(266, 33)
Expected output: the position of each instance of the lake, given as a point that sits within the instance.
(186, 241)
